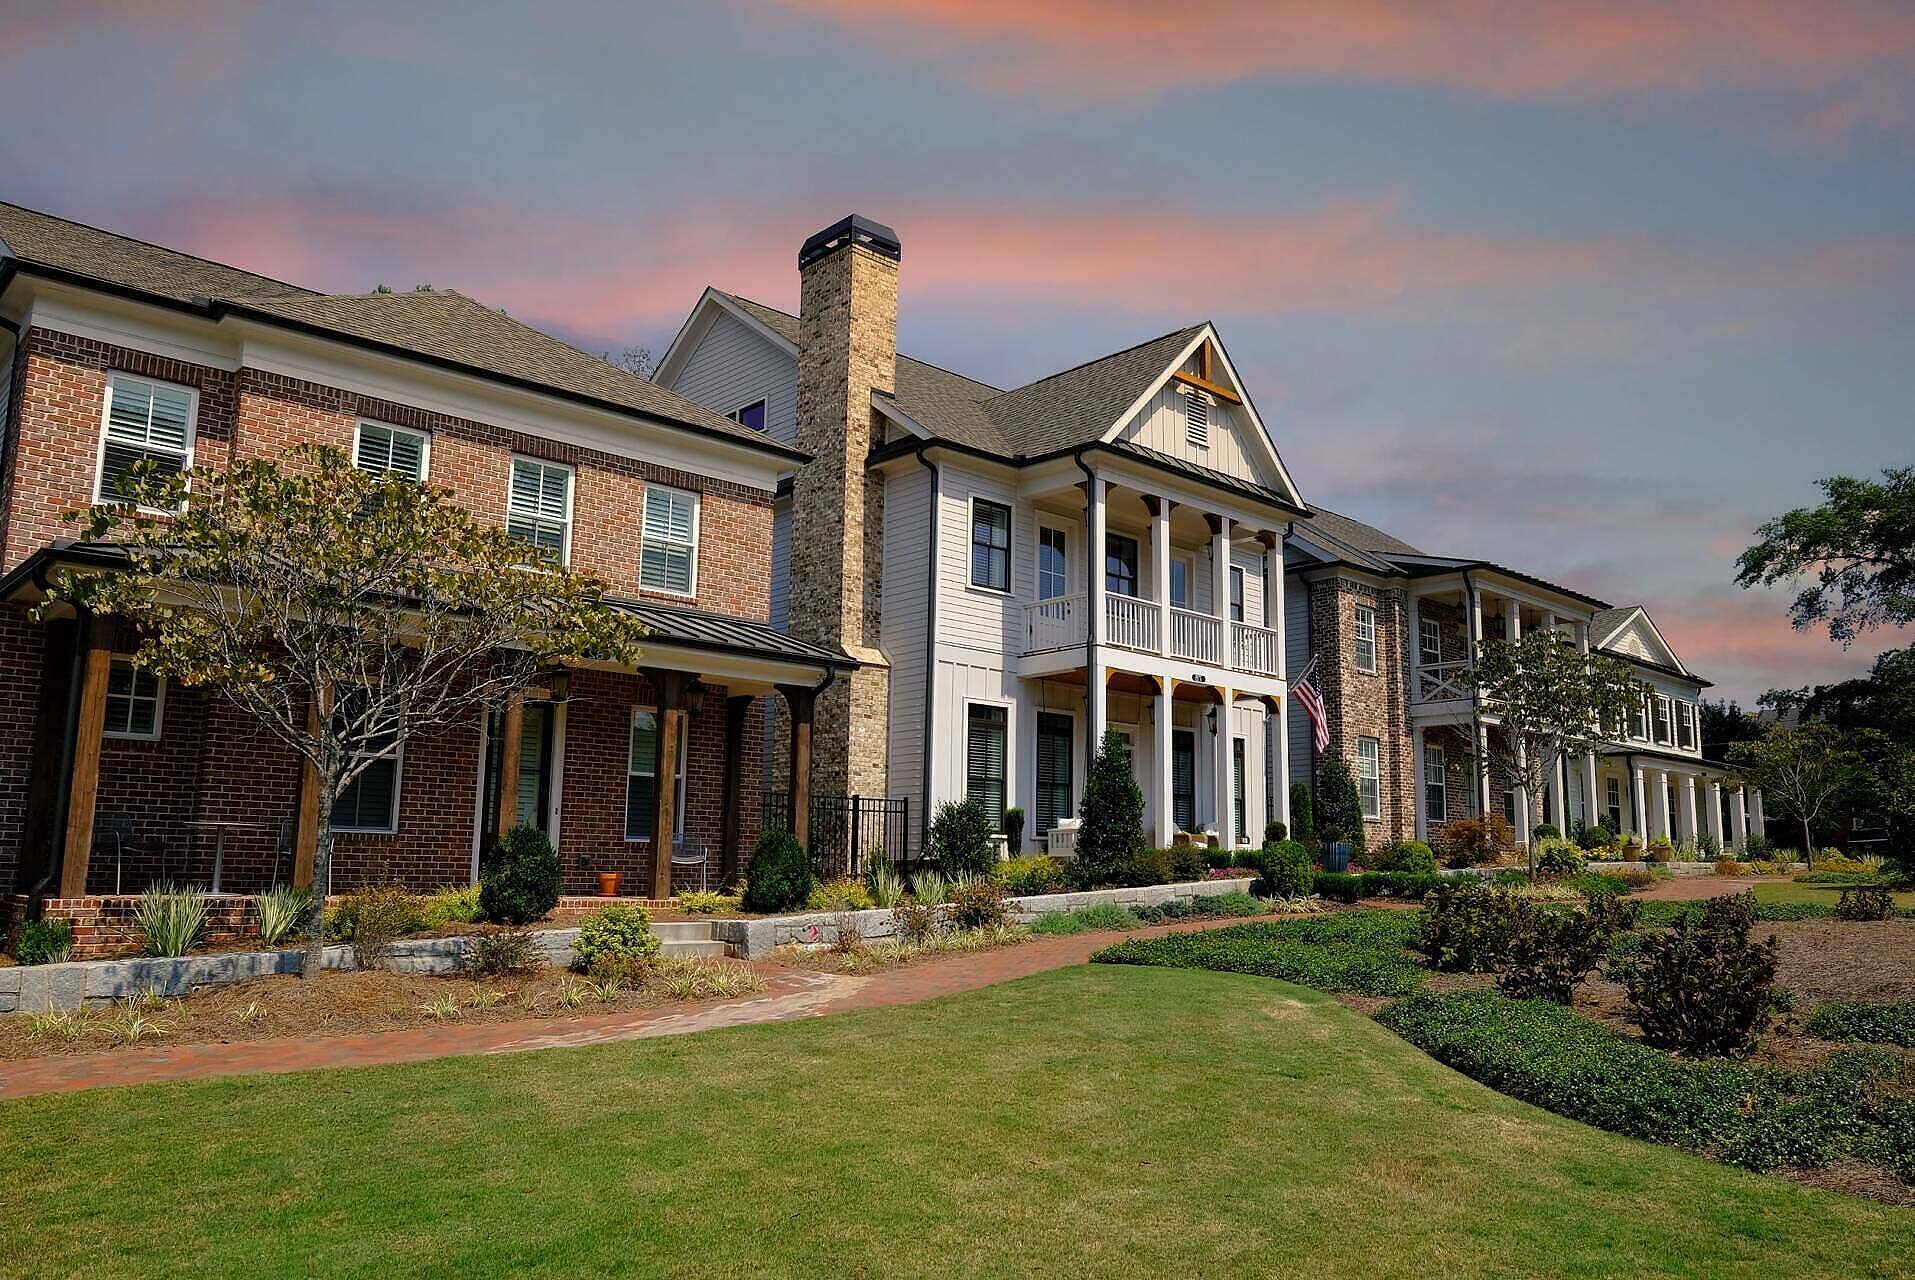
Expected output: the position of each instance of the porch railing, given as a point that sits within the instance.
(1254, 649)
(1131, 623)
(1442, 681)
(848, 834)
(1057, 623)
(1196, 637)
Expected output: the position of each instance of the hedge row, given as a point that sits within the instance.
(1360, 952)
(1755, 1116)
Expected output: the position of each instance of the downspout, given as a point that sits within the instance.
(1090, 595)
(1477, 742)
(930, 642)
(69, 744)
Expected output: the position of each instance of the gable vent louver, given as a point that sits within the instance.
(1197, 417)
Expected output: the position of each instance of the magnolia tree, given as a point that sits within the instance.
(1804, 770)
(346, 612)
(1552, 701)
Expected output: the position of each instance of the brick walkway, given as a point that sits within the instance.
(793, 993)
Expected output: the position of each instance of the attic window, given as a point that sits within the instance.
(1197, 418)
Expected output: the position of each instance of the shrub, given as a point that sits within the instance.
(449, 906)
(1659, 850)
(1636, 879)
(1836, 860)
(1470, 842)
(1755, 1116)
(1342, 887)
(1708, 848)
(282, 913)
(1185, 864)
(1545, 831)
(1339, 808)
(1730, 867)
(169, 920)
(1411, 856)
(503, 951)
(1274, 832)
(1556, 856)
(1466, 927)
(1703, 987)
(1140, 867)
(1892, 1023)
(1022, 877)
(780, 875)
(1088, 919)
(1757, 847)
(372, 919)
(1113, 815)
(1284, 870)
(1014, 828)
(620, 932)
(1302, 813)
(1357, 951)
(1864, 904)
(960, 839)
(1550, 951)
(44, 942)
(913, 921)
(1593, 838)
(519, 878)
(701, 902)
(979, 903)
(842, 894)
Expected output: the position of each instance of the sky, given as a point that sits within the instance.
(1590, 290)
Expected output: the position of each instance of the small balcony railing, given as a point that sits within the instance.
(1130, 623)
(1135, 624)
(1057, 623)
(1196, 637)
(1443, 681)
(1255, 649)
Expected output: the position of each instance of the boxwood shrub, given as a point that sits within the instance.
(1756, 1116)
(1341, 886)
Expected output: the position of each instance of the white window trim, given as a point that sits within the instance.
(1011, 729)
(1010, 547)
(1426, 627)
(106, 418)
(398, 757)
(159, 709)
(571, 496)
(1436, 762)
(678, 800)
(738, 415)
(1356, 639)
(1376, 777)
(423, 437)
(1237, 594)
(698, 511)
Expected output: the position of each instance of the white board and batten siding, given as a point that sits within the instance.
(1296, 654)
(904, 634)
(1162, 423)
(732, 366)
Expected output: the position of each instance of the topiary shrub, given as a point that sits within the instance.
(1590, 839)
(1703, 987)
(1545, 831)
(519, 877)
(1303, 824)
(619, 935)
(960, 839)
(1558, 857)
(780, 875)
(1550, 951)
(1113, 815)
(1284, 870)
(1407, 857)
(1339, 808)
(1862, 903)
(1467, 927)
(1274, 831)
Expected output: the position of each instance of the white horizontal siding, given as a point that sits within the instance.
(904, 633)
(1160, 424)
(731, 366)
(1296, 652)
(781, 564)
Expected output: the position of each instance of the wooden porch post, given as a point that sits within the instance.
(306, 843)
(800, 699)
(85, 790)
(670, 689)
(736, 709)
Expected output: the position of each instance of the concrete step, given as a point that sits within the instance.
(682, 930)
(688, 950)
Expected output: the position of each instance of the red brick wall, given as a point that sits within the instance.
(22, 650)
(1367, 704)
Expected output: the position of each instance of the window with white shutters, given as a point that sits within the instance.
(146, 421)
(381, 449)
(539, 507)
(668, 550)
(1197, 419)
(985, 758)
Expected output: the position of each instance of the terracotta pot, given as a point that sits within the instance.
(608, 883)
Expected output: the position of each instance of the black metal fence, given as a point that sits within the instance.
(849, 834)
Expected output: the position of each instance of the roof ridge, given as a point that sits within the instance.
(151, 244)
(1108, 355)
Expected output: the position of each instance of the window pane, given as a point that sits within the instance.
(991, 545)
(753, 416)
(640, 807)
(984, 761)
(366, 802)
(1120, 564)
(1053, 563)
(1179, 584)
(644, 747)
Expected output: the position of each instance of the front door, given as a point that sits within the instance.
(535, 768)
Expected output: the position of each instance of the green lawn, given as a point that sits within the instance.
(1826, 895)
(1095, 1121)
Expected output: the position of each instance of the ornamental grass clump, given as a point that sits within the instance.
(282, 913)
(170, 920)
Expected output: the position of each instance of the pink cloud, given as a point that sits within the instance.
(1854, 53)
(1743, 641)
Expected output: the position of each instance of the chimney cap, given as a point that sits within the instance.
(854, 229)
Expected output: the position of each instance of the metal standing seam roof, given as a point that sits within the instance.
(697, 629)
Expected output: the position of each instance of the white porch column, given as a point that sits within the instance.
(1283, 761)
(1166, 817)
(1226, 809)
(1220, 583)
(1512, 620)
(1556, 799)
(1741, 819)
(1715, 809)
(1639, 806)
(1482, 768)
(1416, 788)
(1756, 818)
(1689, 832)
(1525, 817)
(1160, 568)
(1660, 822)
(1096, 697)
(1591, 804)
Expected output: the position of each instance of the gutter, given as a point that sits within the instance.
(1093, 600)
(930, 640)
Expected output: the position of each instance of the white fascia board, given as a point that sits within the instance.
(121, 322)
(689, 334)
(1667, 648)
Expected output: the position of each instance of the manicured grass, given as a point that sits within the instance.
(1821, 894)
(1101, 1120)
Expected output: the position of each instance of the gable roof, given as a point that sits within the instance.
(441, 326)
(1080, 404)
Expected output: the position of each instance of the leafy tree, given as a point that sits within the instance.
(1303, 823)
(961, 839)
(1552, 701)
(1725, 722)
(1804, 770)
(1860, 546)
(1112, 813)
(347, 613)
(1339, 808)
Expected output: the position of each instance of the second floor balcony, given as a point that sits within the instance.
(1140, 626)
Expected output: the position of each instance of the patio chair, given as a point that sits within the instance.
(112, 832)
(691, 853)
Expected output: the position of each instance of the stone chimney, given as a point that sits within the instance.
(847, 348)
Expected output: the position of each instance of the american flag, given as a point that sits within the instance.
(1312, 702)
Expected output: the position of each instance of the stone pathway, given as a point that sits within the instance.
(793, 993)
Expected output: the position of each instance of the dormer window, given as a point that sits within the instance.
(1197, 418)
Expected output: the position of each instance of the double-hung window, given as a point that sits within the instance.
(146, 421)
(1053, 563)
(538, 509)
(1436, 785)
(1685, 726)
(1180, 577)
(134, 697)
(990, 545)
(1236, 593)
(1369, 776)
(1365, 632)
(1612, 802)
(1120, 564)
(1429, 641)
(986, 759)
(370, 802)
(668, 543)
(1638, 721)
(1662, 720)
(751, 415)
(641, 776)
(390, 450)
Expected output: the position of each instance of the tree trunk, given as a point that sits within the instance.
(1808, 843)
(322, 880)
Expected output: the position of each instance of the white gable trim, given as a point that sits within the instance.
(1639, 612)
(1261, 436)
(709, 305)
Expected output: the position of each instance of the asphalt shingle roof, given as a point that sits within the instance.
(442, 325)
